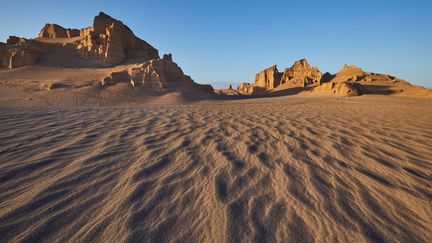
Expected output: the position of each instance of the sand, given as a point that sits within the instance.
(287, 169)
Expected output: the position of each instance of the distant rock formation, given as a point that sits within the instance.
(229, 91)
(268, 78)
(352, 80)
(245, 88)
(15, 40)
(159, 75)
(349, 81)
(350, 74)
(56, 31)
(301, 74)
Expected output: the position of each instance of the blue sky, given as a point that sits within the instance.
(221, 42)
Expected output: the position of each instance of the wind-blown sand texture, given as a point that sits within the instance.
(276, 169)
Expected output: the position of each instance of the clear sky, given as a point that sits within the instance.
(221, 42)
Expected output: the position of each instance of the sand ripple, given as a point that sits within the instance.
(294, 170)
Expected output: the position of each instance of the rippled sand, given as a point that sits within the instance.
(292, 169)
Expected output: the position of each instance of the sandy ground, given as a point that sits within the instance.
(278, 169)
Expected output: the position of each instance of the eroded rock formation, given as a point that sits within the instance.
(17, 56)
(229, 91)
(349, 81)
(268, 78)
(15, 40)
(56, 31)
(112, 42)
(301, 74)
(245, 88)
(336, 88)
(158, 75)
(108, 42)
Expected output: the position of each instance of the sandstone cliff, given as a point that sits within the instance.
(111, 42)
(268, 78)
(108, 42)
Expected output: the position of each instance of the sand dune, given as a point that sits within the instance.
(282, 169)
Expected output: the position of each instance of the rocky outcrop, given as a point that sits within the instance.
(229, 91)
(157, 75)
(355, 74)
(301, 74)
(17, 56)
(268, 78)
(245, 88)
(336, 88)
(111, 42)
(350, 74)
(108, 41)
(15, 40)
(56, 31)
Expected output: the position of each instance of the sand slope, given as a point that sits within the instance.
(281, 169)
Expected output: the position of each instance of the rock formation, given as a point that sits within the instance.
(301, 74)
(352, 80)
(349, 81)
(268, 78)
(350, 74)
(111, 42)
(17, 56)
(15, 40)
(108, 42)
(56, 31)
(158, 75)
(336, 88)
(357, 75)
(229, 91)
(245, 88)
(16, 53)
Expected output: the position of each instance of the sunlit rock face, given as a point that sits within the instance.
(301, 74)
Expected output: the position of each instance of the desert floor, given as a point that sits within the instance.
(278, 169)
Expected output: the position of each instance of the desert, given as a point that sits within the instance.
(102, 139)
